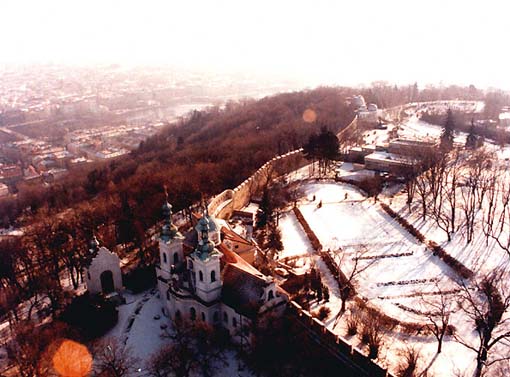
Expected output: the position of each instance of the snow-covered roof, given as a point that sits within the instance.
(388, 157)
(503, 116)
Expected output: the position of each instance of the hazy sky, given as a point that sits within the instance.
(344, 42)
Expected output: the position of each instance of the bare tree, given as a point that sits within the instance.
(409, 366)
(32, 347)
(497, 214)
(113, 359)
(468, 206)
(434, 176)
(426, 183)
(477, 173)
(409, 185)
(171, 359)
(486, 306)
(481, 169)
(23, 350)
(423, 191)
(489, 212)
(438, 314)
(446, 183)
(347, 278)
(195, 346)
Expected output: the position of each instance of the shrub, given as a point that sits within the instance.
(374, 327)
(353, 322)
(92, 315)
(365, 333)
(373, 349)
(323, 313)
(140, 279)
(309, 232)
(407, 367)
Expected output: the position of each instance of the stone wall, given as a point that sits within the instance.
(223, 205)
(351, 356)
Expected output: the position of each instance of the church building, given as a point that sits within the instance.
(201, 278)
(102, 273)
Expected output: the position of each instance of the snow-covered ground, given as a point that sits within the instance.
(139, 325)
(480, 255)
(11, 232)
(401, 268)
(377, 137)
(142, 325)
(355, 227)
(294, 239)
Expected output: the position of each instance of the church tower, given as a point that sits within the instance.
(204, 264)
(171, 255)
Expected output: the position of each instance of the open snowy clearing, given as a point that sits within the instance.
(399, 266)
(401, 270)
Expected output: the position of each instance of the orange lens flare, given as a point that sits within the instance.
(72, 359)
(309, 116)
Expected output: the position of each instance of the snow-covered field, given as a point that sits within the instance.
(357, 227)
(401, 270)
(479, 255)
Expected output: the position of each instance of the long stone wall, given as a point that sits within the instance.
(350, 127)
(223, 205)
(350, 356)
(220, 201)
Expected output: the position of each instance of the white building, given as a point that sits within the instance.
(103, 274)
(358, 101)
(504, 119)
(209, 282)
(369, 114)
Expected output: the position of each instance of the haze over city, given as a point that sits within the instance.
(319, 42)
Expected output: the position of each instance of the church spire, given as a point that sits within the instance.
(168, 231)
(205, 246)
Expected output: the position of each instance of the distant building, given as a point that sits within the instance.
(388, 162)
(372, 107)
(79, 161)
(358, 101)
(31, 175)
(401, 155)
(10, 174)
(107, 154)
(504, 119)
(369, 113)
(4, 190)
(357, 154)
(409, 147)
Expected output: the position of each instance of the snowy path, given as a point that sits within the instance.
(137, 328)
